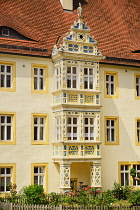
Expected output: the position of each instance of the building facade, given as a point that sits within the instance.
(69, 114)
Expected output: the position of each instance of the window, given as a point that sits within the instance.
(7, 76)
(111, 131)
(138, 132)
(89, 128)
(137, 85)
(74, 48)
(40, 130)
(111, 84)
(39, 175)
(88, 78)
(88, 49)
(72, 77)
(137, 168)
(72, 128)
(39, 78)
(124, 173)
(7, 176)
(58, 129)
(58, 78)
(7, 128)
(5, 32)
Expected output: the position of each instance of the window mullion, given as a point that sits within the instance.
(88, 128)
(110, 134)
(5, 128)
(37, 130)
(72, 129)
(88, 76)
(38, 79)
(109, 86)
(4, 76)
(11, 78)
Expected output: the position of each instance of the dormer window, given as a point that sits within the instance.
(5, 32)
(10, 33)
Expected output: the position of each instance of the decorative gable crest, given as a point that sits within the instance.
(78, 40)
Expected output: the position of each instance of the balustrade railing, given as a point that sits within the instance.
(76, 98)
(76, 150)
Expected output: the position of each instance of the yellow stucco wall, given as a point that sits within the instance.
(23, 102)
(127, 109)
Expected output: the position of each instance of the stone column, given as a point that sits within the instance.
(95, 175)
(64, 177)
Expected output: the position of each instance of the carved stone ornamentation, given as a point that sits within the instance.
(80, 11)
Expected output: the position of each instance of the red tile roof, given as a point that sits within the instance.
(114, 24)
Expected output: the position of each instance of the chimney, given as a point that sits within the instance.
(67, 4)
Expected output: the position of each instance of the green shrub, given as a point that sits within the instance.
(34, 194)
(134, 197)
(133, 172)
(121, 192)
(80, 198)
(54, 199)
(105, 199)
(12, 196)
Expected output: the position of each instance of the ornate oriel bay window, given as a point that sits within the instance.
(76, 75)
(77, 126)
(77, 134)
(76, 104)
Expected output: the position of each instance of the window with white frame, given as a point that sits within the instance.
(39, 128)
(125, 178)
(39, 78)
(110, 130)
(72, 128)
(138, 131)
(137, 85)
(72, 77)
(110, 84)
(58, 128)
(88, 78)
(125, 174)
(6, 128)
(136, 182)
(39, 173)
(5, 179)
(5, 76)
(58, 77)
(89, 128)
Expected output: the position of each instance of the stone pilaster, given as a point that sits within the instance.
(64, 177)
(95, 175)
